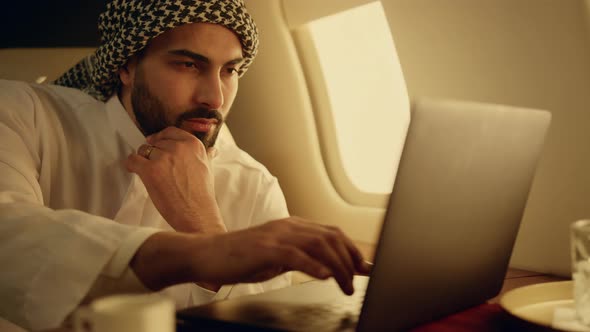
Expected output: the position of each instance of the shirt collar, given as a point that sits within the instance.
(122, 122)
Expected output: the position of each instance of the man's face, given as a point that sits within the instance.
(153, 115)
(187, 77)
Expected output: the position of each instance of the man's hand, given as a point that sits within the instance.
(250, 255)
(179, 180)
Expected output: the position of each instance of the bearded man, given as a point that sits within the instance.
(115, 178)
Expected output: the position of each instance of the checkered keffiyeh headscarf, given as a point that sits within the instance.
(128, 25)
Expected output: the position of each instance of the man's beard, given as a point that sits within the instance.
(150, 114)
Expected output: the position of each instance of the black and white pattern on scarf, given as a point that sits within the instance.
(128, 25)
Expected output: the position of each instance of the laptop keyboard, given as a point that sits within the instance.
(333, 312)
(339, 316)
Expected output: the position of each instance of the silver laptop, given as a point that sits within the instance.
(452, 219)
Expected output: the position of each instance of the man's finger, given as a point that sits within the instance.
(340, 243)
(358, 262)
(167, 145)
(317, 246)
(340, 262)
(296, 260)
(212, 153)
(135, 163)
(145, 150)
(365, 268)
(355, 254)
(172, 133)
(334, 241)
(344, 254)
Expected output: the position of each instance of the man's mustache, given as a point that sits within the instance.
(202, 113)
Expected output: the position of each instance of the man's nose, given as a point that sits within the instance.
(210, 93)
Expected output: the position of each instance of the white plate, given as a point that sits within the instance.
(536, 303)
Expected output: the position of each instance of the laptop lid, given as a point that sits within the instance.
(450, 226)
(454, 213)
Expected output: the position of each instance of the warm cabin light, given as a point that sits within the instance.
(367, 93)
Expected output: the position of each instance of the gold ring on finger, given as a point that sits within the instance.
(148, 151)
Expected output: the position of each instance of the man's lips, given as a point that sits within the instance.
(199, 124)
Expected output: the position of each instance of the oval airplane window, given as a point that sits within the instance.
(360, 98)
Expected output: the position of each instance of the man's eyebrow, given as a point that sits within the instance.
(235, 61)
(189, 54)
(202, 58)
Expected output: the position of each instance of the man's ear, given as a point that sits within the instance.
(127, 72)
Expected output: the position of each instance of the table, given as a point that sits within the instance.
(490, 317)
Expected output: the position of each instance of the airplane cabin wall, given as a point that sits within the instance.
(531, 53)
(29, 64)
(272, 119)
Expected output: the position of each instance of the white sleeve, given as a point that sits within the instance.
(270, 205)
(50, 258)
(117, 276)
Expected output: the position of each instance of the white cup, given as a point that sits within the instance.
(125, 313)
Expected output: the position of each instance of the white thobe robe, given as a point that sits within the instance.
(72, 216)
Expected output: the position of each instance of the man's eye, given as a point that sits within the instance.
(232, 70)
(186, 64)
